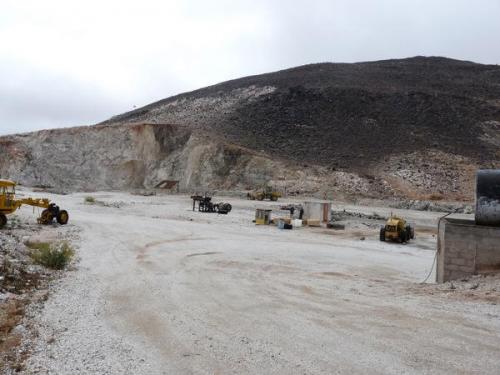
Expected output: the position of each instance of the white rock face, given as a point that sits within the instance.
(130, 156)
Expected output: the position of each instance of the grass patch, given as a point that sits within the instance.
(55, 256)
(89, 200)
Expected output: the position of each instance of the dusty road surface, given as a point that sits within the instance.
(160, 289)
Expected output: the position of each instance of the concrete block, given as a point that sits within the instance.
(462, 262)
(487, 260)
(456, 275)
(455, 242)
(458, 267)
(467, 269)
(471, 247)
(453, 249)
(486, 244)
(493, 254)
(467, 255)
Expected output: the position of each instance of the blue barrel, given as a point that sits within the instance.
(488, 197)
(281, 224)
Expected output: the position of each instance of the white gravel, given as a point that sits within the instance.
(163, 290)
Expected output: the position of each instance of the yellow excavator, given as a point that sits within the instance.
(9, 204)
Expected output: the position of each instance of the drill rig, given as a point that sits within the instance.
(9, 204)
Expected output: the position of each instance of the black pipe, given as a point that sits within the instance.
(488, 197)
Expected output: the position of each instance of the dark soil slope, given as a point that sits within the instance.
(349, 116)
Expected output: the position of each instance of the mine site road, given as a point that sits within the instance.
(159, 289)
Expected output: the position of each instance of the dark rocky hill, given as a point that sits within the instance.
(414, 128)
(349, 115)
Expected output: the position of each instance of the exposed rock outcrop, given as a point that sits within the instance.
(130, 156)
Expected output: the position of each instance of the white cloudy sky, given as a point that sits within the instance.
(65, 63)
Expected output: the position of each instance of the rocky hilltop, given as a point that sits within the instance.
(415, 127)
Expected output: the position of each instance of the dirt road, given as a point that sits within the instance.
(160, 289)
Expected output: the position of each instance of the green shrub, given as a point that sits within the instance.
(89, 199)
(55, 256)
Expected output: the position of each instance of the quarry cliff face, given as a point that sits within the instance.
(136, 156)
(130, 156)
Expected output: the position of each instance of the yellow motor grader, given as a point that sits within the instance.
(9, 204)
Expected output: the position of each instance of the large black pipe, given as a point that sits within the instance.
(488, 197)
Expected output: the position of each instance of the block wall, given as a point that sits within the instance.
(465, 249)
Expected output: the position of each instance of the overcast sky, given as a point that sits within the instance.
(65, 63)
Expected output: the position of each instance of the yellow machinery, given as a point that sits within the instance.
(9, 204)
(266, 193)
(262, 216)
(397, 229)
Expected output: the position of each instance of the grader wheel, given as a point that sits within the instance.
(62, 217)
(45, 218)
(3, 220)
(382, 234)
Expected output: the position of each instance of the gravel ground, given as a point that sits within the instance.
(160, 289)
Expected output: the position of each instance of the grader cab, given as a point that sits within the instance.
(9, 204)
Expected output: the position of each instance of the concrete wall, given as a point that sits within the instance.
(320, 210)
(465, 248)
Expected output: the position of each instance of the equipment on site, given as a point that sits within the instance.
(397, 229)
(262, 216)
(205, 204)
(266, 193)
(282, 224)
(172, 185)
(296, 210)
(488, 197)
(9, 204)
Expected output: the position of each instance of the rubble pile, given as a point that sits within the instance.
(420, 205)
(21, 283)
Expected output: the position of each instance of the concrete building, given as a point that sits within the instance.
(467, 246)
(263, 216)
(465, 249)
(318, 210)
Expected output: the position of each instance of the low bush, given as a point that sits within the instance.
(89, 199)
(55, 256)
